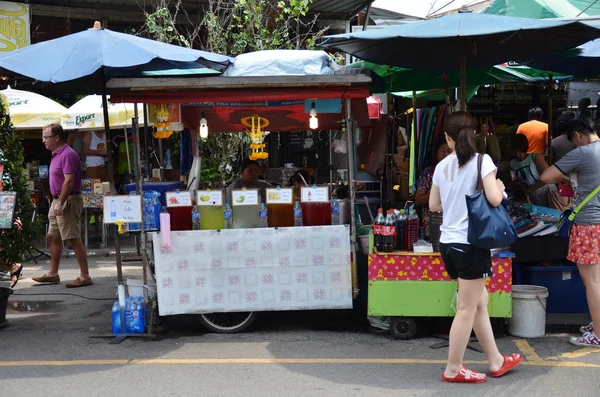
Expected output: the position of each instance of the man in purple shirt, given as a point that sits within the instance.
(66, 208)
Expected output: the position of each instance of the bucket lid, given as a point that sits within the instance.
(529, 291)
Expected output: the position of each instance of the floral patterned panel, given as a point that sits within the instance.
(408, 267)
(297, 268)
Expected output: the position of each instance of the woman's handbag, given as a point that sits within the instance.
(489, 227)
(565, 222)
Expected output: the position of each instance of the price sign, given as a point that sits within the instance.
(280, 196)
(209, 197)
(315, 195)
(244, 197)
(179, 199)
(7, 208)
(127, 209)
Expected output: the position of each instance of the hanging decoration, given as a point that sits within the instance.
(161, 122)
(256, 133)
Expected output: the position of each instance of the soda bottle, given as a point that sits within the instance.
(263, 215)
(195, 218)
(335, 212)
(412, 230)
(228, 213)
(297, 214)
(377, 229)
(400, 231)
(389, 234)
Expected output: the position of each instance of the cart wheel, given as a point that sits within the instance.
(403, 328)
(228, 323)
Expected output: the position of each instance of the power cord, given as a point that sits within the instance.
(68, 294)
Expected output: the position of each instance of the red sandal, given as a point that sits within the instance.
(465, 376)
(510, 362)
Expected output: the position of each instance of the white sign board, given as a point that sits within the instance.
(315, 195)
(280, 196)
(244, 197)
(179, 199)
(209, 197)
(14, 26)
(127, 209)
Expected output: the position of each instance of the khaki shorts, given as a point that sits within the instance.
(67, 226)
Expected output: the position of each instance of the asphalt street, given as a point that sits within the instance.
(47, 351)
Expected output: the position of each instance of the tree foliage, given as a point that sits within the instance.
(15, 243)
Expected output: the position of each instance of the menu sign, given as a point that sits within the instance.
(126, 209)
(7, 209)
(209, 197)
(179, 199)
(315, 195)
(244, 197)
(280, 196)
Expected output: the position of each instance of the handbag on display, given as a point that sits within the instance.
(565, 222)
(489, 227)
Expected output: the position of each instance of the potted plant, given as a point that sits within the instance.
(16, 242)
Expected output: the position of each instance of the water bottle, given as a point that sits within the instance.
(335, 212)
(263, 215)
(113, 210)
(116, 318)
(297, 214)
(228, 217)
(195, 218)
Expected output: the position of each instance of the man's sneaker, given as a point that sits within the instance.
(587, 328)
(588, 339)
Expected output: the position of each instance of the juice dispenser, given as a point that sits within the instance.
(211, 205)
(246, 204)
(280, 207)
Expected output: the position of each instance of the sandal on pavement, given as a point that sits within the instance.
(46, 279)
(510, 362)
(588, 339)
(587, 328)
(14, 276)
(465, 376)
(78, 282)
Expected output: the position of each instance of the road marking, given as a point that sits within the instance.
(581, 352)
(213, 361)
(528, 351)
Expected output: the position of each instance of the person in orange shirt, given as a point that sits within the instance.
(535, 131)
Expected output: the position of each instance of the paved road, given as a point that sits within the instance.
(48, 351)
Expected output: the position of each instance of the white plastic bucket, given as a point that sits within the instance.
(135, 287)
(528, 311)
(364, 244)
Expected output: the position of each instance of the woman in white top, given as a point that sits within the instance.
(94, 148)
(454, 178)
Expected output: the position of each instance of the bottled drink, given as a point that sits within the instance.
(113, 210)
(412, 230)
(297, 214)
(165, 227)
(335, 212)
(377, 229)
(195, 218)
(400, 231)
(263, 215)
(228, 217)
(116, 318)
(389, 233)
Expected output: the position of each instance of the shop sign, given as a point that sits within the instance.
(14, 26)
(209, 198)
(244, 197)
(280, 196)
(315, 194)
(179, 199)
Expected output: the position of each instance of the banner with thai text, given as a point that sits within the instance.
(14, 26)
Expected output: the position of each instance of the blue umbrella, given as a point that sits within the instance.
(450, 43)
(581, 62)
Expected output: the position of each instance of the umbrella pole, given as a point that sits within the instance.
(146, 131)
(550, 94)
(127, 147)
(463, 81)
(138, 188)
(352, 190)
(111, 179)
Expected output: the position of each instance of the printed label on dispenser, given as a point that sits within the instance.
(126, 209)
(179, 199)
(280, 196)
(315, 195)
(244, 197)
(209, 197)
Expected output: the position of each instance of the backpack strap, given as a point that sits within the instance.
(584, 202)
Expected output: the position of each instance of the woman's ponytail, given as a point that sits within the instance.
(460, 126)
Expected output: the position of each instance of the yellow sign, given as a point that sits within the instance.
(14, 26)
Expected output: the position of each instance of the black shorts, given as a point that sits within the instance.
(466, 262)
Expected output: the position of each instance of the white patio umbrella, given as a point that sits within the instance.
(29, 110)
(87, 114)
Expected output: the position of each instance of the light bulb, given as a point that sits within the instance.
(314, 121)
(203, 127)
